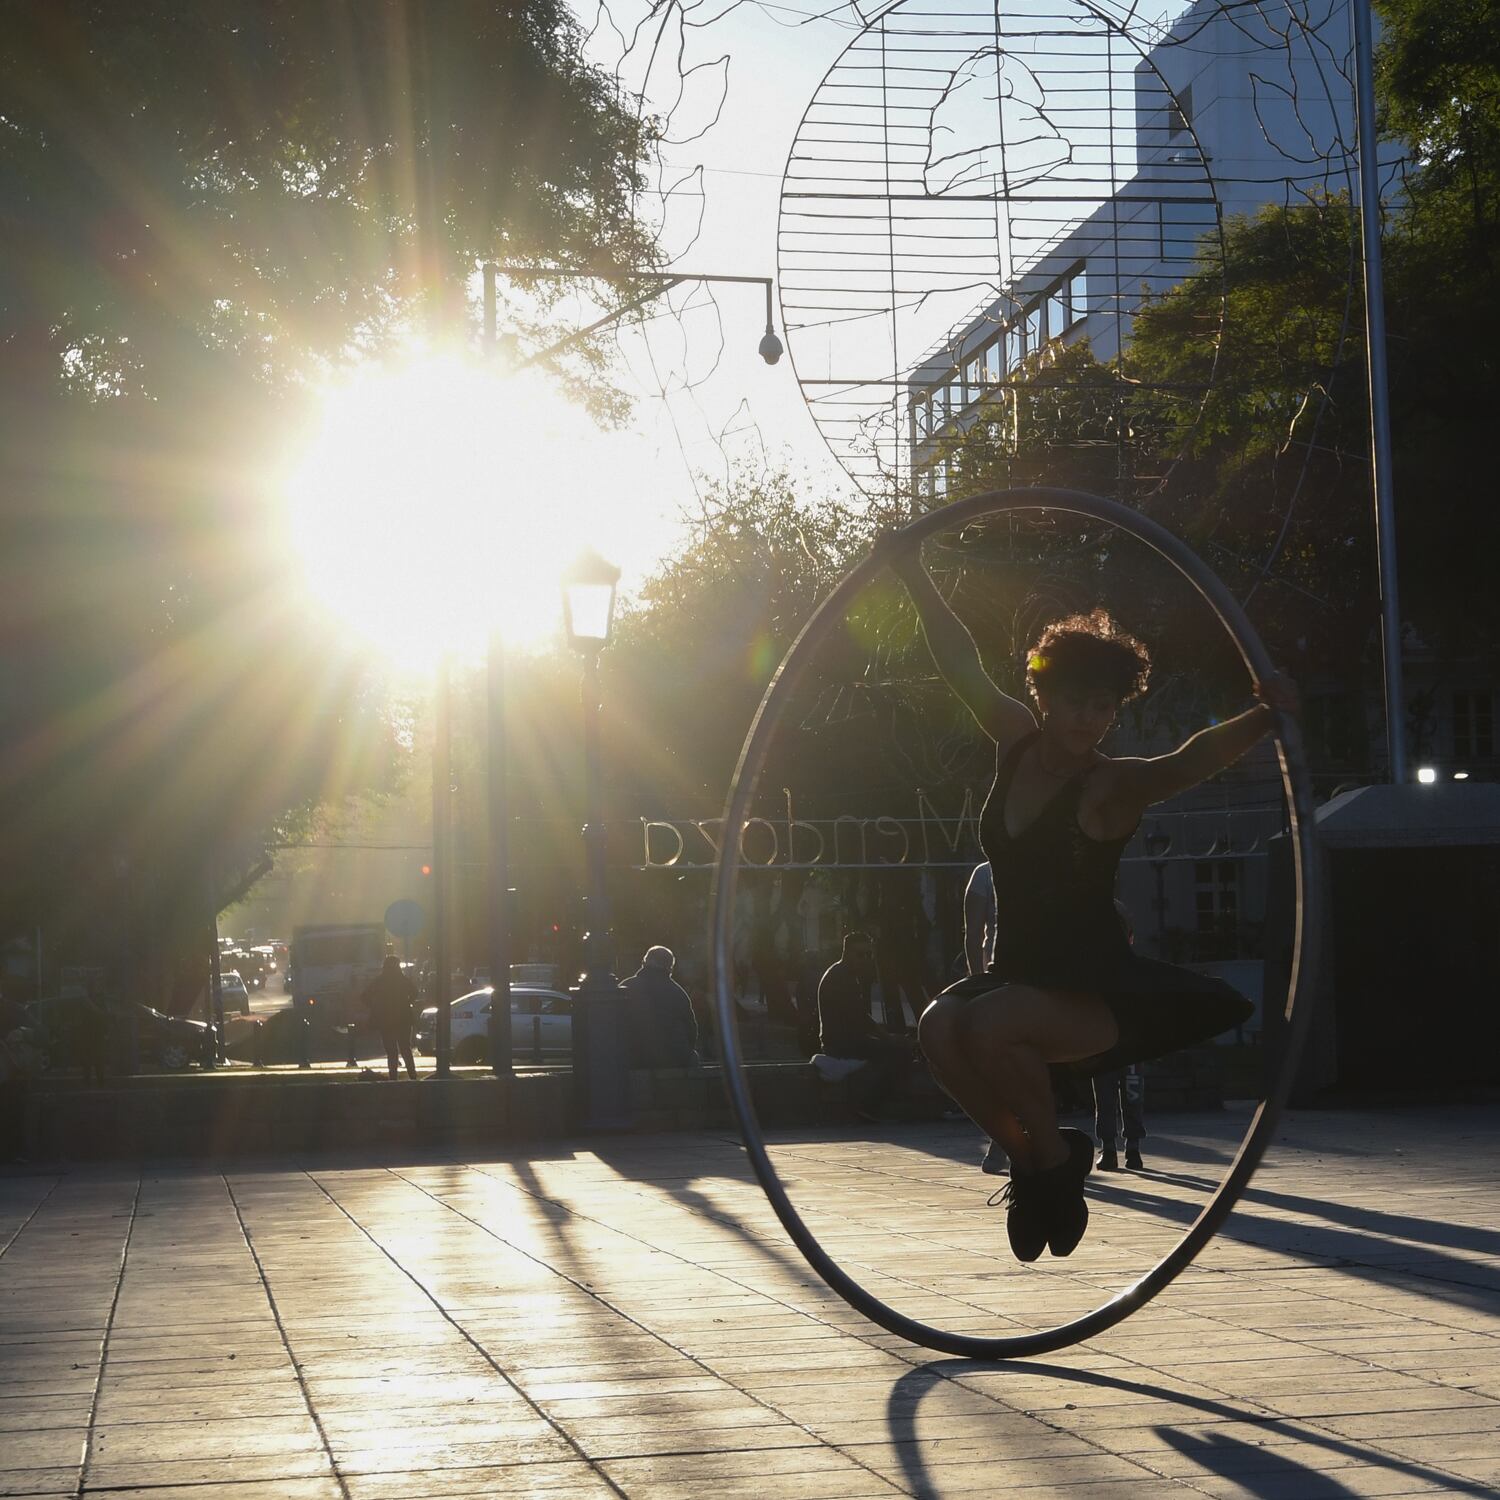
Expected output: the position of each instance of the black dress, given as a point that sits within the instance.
(1058, 929)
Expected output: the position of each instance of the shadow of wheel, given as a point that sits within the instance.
(471, 1052)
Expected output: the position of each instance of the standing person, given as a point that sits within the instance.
(979, 954)
(979, 919)
(390, 999)
(1065, 986)
(848, 1030)
(1120, 1101)
(1120, 1098)
(663, 1028)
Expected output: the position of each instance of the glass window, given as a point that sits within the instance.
(1033, 330)
(1078, 294)
(940, 479)
(955, 398)
(1335, 727)
(1474, 724)
(993, 355)
(1216, 902)
(1057, 311)
(1183, 225)
(1180, 113)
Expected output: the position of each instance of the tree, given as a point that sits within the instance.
(1438, 80)
(206, 207)
(211, 192)
(1271, 478)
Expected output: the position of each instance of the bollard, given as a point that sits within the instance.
(536, 1039)
(257, 1046)
(350, 1060)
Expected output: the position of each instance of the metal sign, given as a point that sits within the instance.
(405, 919)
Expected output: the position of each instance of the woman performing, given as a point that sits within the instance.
(1064, 986)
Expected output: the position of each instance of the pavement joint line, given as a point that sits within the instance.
(860, 1331)
(81, 1482)
(1261, 1370)
(602, 1301)
(35, 1210)
(857, 1332)
(464, 1333)
(1268, 1417)
(291, 1354)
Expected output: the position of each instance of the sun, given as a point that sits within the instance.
(435, 500)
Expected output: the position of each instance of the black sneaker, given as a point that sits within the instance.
(1065, 1212)
(1133, 1158)
(1108, 1160)
(1025, 1216)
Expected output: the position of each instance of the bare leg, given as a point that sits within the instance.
(943, 1032)
(1015, 1033)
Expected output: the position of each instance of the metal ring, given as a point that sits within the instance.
(828, 616)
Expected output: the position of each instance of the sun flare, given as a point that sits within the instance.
(436, 500)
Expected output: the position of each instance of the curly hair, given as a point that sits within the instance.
(1089, 652)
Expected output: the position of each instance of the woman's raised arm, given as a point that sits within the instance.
(956, 657)
(1141, 783)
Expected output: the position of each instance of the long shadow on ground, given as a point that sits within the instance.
(1257, 1470)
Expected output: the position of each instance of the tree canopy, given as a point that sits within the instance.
(206, 207)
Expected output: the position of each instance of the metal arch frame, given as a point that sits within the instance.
(829, 615)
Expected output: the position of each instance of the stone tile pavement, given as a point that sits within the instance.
(625, 1317)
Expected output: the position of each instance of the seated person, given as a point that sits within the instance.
(849, 1032)
(659, 1014)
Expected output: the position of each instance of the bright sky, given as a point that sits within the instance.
(467, 493)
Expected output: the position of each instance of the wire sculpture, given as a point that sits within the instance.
(978, 187)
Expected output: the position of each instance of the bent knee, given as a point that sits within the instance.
(941, 1027)
(1061, 1025)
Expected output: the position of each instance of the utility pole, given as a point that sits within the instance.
(1380, 403)
(500, 1040)
(442, 858)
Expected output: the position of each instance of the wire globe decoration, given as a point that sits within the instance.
(976, 187)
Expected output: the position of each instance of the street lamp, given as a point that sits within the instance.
(497, 801)
(1157, 844)
(599, 1071)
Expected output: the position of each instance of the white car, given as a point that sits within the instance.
(541, 1024)
(236, 994)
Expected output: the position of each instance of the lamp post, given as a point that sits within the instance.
(599, 1072)
(497, 803)
(1157, 844)
(442, 863)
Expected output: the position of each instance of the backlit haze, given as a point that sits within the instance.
(436, 499)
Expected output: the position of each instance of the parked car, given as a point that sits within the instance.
(170, 1042)
(236, 994)
(249, 965)
(535, 1015)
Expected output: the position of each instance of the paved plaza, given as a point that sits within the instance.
(625, 1317)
